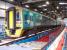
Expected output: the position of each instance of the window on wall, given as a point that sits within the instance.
(2, 13)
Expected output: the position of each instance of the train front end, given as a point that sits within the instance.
(14, 22)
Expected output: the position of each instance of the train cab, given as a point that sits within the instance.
(14, 23)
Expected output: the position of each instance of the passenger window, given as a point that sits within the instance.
(17, 16)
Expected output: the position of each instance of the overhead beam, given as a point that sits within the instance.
(2, 9)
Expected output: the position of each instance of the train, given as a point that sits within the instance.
(23, 22)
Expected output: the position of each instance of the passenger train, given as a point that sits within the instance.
(22, 22)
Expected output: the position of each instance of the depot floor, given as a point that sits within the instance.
(17, 47)
(65, 41)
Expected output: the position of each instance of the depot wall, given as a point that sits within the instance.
(65, 21)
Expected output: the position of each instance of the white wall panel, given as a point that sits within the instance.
(4, 5)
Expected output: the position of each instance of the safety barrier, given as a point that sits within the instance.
(53, 36)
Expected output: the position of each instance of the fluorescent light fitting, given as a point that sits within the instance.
(27, 6)
(35, 10)
(52, 11)
(44, 5)
(62, 3)
(57, 7)
(45, 9)
(41, 12)
(47, 2)
(39, 6)
(11, 0)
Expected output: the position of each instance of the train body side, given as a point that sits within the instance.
(26, 22)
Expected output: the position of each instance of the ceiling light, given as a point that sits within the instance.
(45, 9)
(39, 6)
(44, 5)
(35, 9)
(52, 11)
(27, 6)
(57, 7)
(41, 12)
(62, 3)
(10, 0)
(47, 2)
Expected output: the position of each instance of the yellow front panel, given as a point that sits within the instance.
(18, 33)
(11, 24)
